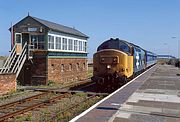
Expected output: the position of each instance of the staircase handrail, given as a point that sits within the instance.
(19, 59)
(8, 60)
(20, 67)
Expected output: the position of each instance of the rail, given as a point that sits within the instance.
(39, 104)
(48, 97)
(21, 101)
(70, 108)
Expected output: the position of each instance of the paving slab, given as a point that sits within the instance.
(154, 96)
(157, 100)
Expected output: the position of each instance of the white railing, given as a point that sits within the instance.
(20, 61)
(30, 51)
(9, 60)
(14, 63)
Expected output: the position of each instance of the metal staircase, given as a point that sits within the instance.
(14, 62)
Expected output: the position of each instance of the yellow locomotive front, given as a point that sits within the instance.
(113, 63)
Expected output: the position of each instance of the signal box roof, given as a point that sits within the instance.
(57, 27)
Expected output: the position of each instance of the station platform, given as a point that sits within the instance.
(153, 96)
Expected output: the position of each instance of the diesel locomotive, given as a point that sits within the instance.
(117, 60)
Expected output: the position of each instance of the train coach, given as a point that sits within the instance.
(117, 60)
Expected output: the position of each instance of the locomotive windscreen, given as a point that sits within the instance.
(115, 44)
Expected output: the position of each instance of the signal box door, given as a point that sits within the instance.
(18, 42)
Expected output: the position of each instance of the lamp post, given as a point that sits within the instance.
(168, 50)
(178, 49)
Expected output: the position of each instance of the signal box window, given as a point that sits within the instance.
(18, 37)
(75, 45)
(70, 46)
(64, 43)
(80, 45)
(58, 43)
(50, 42)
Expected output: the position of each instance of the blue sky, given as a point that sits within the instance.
(147, 23)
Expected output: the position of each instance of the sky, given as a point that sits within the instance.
(150, 24)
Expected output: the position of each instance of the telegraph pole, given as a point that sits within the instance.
(178, 50)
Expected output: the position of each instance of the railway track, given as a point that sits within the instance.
(46, 98)
(41, 100)
(73, 86)
(70, 108)
(49, 96)
(13, 109)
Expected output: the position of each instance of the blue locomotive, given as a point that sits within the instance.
(118, 60)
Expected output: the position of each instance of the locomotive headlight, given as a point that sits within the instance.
(122, 69)
(108, 66)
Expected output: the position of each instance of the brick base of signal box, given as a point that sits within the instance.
(7, 83)
(61, 70)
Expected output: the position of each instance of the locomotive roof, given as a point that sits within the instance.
(126, 42)
(111, 42)
(117, 39)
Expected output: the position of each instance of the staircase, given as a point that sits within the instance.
(14, 62)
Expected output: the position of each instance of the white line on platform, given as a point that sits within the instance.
(95, 105)
(135, 97)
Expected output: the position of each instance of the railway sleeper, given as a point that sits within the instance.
(24, 109)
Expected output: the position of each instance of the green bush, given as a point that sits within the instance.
(51, 83)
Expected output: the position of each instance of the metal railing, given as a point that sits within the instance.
(14, 63)
(30, 51)
(20, 61)
(9, 60)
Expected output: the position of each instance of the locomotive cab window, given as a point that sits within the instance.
(115, 44)
(124, 47)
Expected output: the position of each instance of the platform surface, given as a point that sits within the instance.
(152, 97)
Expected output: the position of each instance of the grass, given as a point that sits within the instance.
(16, 96)
(51, 83)
(3, 58)
(61, 111)
(10, 94)
(68, 115)
(81, 94)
